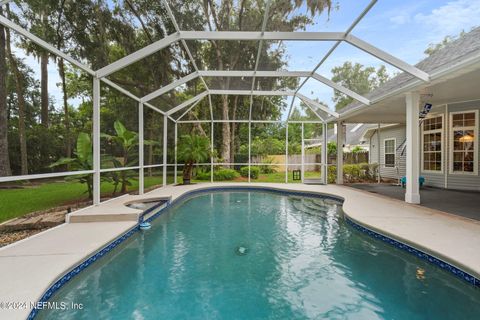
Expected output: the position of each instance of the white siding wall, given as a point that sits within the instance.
(398, 133)
(441, 180)
(462, 181)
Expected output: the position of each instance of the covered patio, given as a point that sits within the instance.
(403, 109)
(458, 202)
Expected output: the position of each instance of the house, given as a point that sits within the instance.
(354, 139)
(443, 145)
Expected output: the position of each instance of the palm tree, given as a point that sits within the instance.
(192, 149)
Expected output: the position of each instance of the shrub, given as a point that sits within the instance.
(225, 174)
(267, 166)
(332, 174)
(351, 172)
(204, 175)
(254, 172)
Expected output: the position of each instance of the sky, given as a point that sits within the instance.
(403, 28)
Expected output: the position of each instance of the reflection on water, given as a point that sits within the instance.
(302, 262)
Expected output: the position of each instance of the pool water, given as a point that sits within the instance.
(262, 255)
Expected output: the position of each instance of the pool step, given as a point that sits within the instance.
(301, 206)
(80, 218)
(123, 208)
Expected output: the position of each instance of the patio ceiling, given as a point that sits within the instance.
(181, 36)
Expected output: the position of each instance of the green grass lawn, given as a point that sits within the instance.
(17, 202)
(43, 196)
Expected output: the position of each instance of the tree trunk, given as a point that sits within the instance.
(226, 137)
(234, 125)
(44, 88)
(4, 156)
(21, 106)
(68, 144)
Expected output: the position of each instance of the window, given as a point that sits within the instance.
(463, 142)
(432, 144)
(389, 152)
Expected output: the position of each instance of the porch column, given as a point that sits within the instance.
(324, 154)
(340, 139)
(412, 194)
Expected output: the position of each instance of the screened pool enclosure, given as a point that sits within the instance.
(262, 84)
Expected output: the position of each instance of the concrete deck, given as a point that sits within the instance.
(29, 267)
(462, 203)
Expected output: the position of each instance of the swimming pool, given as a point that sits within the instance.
(261, 255)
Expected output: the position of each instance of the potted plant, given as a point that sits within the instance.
(192, 149)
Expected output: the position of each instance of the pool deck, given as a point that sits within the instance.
(29, 267)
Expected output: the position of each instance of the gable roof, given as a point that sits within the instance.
(454, 53)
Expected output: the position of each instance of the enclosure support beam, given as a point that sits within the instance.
(341, 88)
(286, 152)
(211, 153)
(188, 110)
(412, 194)
(96, 141)
(15, 27)
(335, 46)
(303, 154)
(184, 44)
(340, 139)
(324, 154)
(169, 87)
(250, 73)
(175, 150)
(249, 148)
(388, 58)
(141, 146)
(187, 103)
(138, 55)
(257, 35)
(255, 93)
(165, 132)
(310, 102)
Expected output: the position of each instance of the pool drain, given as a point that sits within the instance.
(241, 250)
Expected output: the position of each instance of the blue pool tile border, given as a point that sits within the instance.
(418, 253)
(162, 208)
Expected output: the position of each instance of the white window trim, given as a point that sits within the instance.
(475, 154)
(394, 153)
(442, 151)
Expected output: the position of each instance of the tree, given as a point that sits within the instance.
(228, 15)
(192, 149)
(19, 86)
(36, 14)
(331, 148)
(4, 154)
(357, 78)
